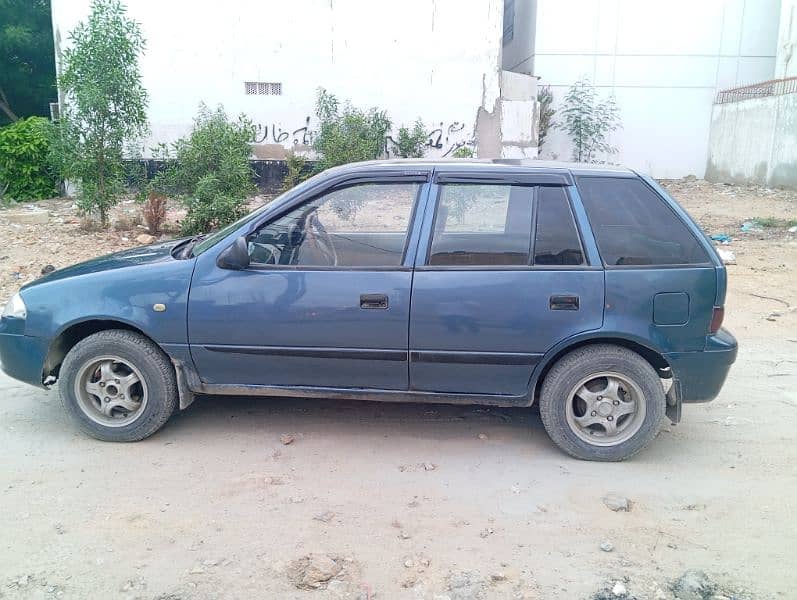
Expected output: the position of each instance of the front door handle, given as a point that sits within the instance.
(563, 303)
(373, 301)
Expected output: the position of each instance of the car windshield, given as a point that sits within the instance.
(222, 233)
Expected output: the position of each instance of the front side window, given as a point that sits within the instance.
(358, 226)
(634, 226)
(482, 225)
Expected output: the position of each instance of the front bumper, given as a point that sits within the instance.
(22, 356)
(700, 375)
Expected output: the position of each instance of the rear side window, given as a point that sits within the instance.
(556, 241)
(634, 226)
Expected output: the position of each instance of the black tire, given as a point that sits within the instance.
(574, 368)
(152, 364)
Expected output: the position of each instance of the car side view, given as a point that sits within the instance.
(587, 290)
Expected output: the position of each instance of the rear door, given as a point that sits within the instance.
(501, 276)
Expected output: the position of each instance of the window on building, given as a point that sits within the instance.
(634, 226)
(482, 225)
(556, 240)
(509, 21)
(359, 226)
(263, 88)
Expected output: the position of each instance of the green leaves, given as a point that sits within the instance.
(25, 172)
(27, 60)
(105, 104)
(410, 143)
(588, 121)
(347, 134)
(211, 170)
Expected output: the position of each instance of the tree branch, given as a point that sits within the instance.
(6, 107)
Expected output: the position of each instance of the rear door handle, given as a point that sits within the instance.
(373, 301)
(563, 303)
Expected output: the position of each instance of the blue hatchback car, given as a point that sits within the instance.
(585, 289)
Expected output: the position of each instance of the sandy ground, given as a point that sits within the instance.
(413, 501)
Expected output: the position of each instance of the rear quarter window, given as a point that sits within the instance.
(633, 225)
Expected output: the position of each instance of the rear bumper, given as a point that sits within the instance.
(22, 357)
(700, 375)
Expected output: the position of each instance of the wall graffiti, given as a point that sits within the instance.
(443, 140)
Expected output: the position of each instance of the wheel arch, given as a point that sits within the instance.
(73, 333)
(655, 358)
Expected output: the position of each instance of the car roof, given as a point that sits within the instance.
(475, 165)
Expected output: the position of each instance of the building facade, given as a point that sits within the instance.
(434, 60)
(663, 61)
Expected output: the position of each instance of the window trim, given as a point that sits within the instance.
(584, 266)
(419, 179)
(687, 225)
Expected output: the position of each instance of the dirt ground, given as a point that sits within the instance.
(412, 501)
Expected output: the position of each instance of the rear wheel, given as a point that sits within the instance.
(602, 402)
(118, 386)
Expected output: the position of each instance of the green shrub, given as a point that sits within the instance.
(25, 172)
(463, 152)
(210, 170)
(411, 143)
(545, 100)
(297, 171)
(347, 134)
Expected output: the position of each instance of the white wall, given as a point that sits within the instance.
(755, 141)
(434, 59)
(787, 41)
(664, 61)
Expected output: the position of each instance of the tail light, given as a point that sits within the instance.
(716, 319)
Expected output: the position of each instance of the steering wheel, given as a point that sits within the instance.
(317, 248)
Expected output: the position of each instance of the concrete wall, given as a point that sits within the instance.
(787, 41)
(755, 141)
(438, 60)
(664, 62)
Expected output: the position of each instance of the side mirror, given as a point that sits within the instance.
(235, 257)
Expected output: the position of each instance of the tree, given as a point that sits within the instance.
(347, 134)
(27, 63)
(588, 121)
(104, 104)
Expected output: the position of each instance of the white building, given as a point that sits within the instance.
(437, 60)
(663, 61)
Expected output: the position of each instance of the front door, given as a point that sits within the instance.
(501, 277)
(325, 301)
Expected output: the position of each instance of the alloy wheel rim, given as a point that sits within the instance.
(605, 409)
(110, 391)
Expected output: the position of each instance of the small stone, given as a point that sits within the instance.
(145, 239)
(287, 438)
(47, 269)
(325, 517)
(793, 229)
(619, 591)
(404, 535)
(693, 585)
(617, 503)
(486, 532)
(210, 563)
(320, 569)
(409, 563)
(607, 546)
(427, 466)
(498, 576)
(196, 570)
(59, 529)
(483, 436)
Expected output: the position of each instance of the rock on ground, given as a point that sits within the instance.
(617, 503)
(314, 571)
(694, 585)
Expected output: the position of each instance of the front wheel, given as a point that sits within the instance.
(602, 402)
(118, 386)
